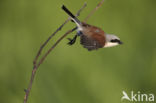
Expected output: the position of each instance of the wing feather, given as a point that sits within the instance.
(89, 43)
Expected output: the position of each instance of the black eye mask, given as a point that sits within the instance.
(115, 41)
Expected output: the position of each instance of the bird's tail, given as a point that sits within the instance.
(74, 18)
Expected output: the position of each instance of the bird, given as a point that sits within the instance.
(91, 37)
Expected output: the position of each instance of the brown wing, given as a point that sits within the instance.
(92, 38)
(89, 43)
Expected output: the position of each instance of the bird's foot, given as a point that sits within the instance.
(72, 41)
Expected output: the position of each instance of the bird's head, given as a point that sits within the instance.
(112, 40)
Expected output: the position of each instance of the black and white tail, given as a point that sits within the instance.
(74, 18)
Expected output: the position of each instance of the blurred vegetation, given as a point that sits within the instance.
(71, 74)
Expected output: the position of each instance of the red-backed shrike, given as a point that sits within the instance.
(91, 37)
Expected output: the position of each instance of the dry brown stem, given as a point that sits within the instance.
(37, 64)
(93, 11)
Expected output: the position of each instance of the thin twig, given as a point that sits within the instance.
(44, 44)
(35, 67)
(46, 54)
(92, 12)
(41, 61)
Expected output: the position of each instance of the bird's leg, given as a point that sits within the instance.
(72, 41)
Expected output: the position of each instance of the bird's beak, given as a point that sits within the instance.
(120, 42)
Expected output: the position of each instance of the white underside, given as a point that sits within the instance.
(110, 44)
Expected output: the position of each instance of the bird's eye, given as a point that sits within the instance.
(114, 40)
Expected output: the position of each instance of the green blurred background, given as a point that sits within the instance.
(71, 74)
